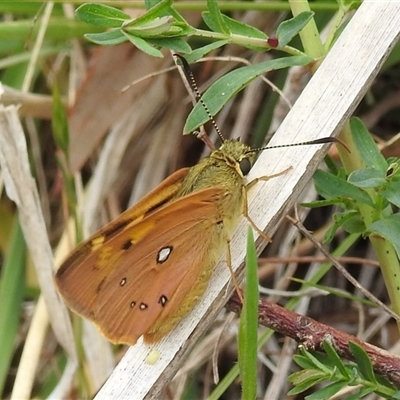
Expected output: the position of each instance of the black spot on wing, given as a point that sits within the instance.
(100, 285)
(126, 245)
(163, 300)
(116, 227)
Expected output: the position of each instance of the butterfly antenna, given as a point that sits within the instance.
(310, 142)
(189, 76)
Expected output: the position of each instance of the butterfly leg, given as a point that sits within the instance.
(245, 204)
(229, 263)
(266, 178)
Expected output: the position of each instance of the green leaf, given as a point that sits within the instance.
(355, 224)
(392, 193)
(335, 359)
(110, 38)
(363, 362)
(287, 30)
(101, 15)
(156, 27)
(151, 3)
(161, 9)
(213, 18)
(322, 203)
(59, 122)
(396, 396)
(388, 228)
(249, 324)
(226, 87)
(367, 178)
(178, 45)
(330, 187)
(12, 285)
(303, 362)
(393, 169)
(340, 219)
(305, 379)
(143, 45)
(335, 292)
(361, 393)
(349, 4)
(239, 28)
(202, 51)
(317, 361)
(366, 147)
(327, 392)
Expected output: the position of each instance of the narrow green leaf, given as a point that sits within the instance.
(219, 93)
(366, 147)
(349, 4)
(330, 186)
(239, 28)
(355, 224)
(388, 228)
(202, 51)
(177, 45)
(143, 45)
(392, 193)
(287, 30)
(154, 28)
(361, 393)
(305, 379)
(303, 362)
(12, 284)
(110, 38)
(335, 292)
(161, 9)
(339, 220)
(247, 340)
(59, 122)
(363, 362)
(322, 203)
(367, 178)
(317, 362)
(213, 18)
(328, 391)
(151, 3)
(396, 396)
(101, 15)
(335, 359)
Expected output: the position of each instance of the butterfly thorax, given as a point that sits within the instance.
(222, 168)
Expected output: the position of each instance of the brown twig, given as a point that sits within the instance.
(311, 334)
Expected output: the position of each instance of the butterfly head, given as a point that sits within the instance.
(239, 155)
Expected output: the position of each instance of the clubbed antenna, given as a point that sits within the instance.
(309, 142)
(189, 76)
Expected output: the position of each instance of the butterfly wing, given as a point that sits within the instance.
(153, 271)
(159, 279)
(88, 265)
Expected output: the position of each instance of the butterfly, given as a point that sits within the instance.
(143, 272)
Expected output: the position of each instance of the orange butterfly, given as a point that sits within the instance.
(153, 262)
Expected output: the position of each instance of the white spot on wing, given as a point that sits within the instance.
(164, 254)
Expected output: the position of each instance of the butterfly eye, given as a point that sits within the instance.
(245, 166)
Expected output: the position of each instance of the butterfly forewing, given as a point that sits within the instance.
(81, 275)
(150, 285)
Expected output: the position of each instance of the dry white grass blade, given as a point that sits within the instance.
(324, 106)
(21, 188)
(31, 355)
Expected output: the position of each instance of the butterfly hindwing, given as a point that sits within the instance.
(154, 276)
(144, 272)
